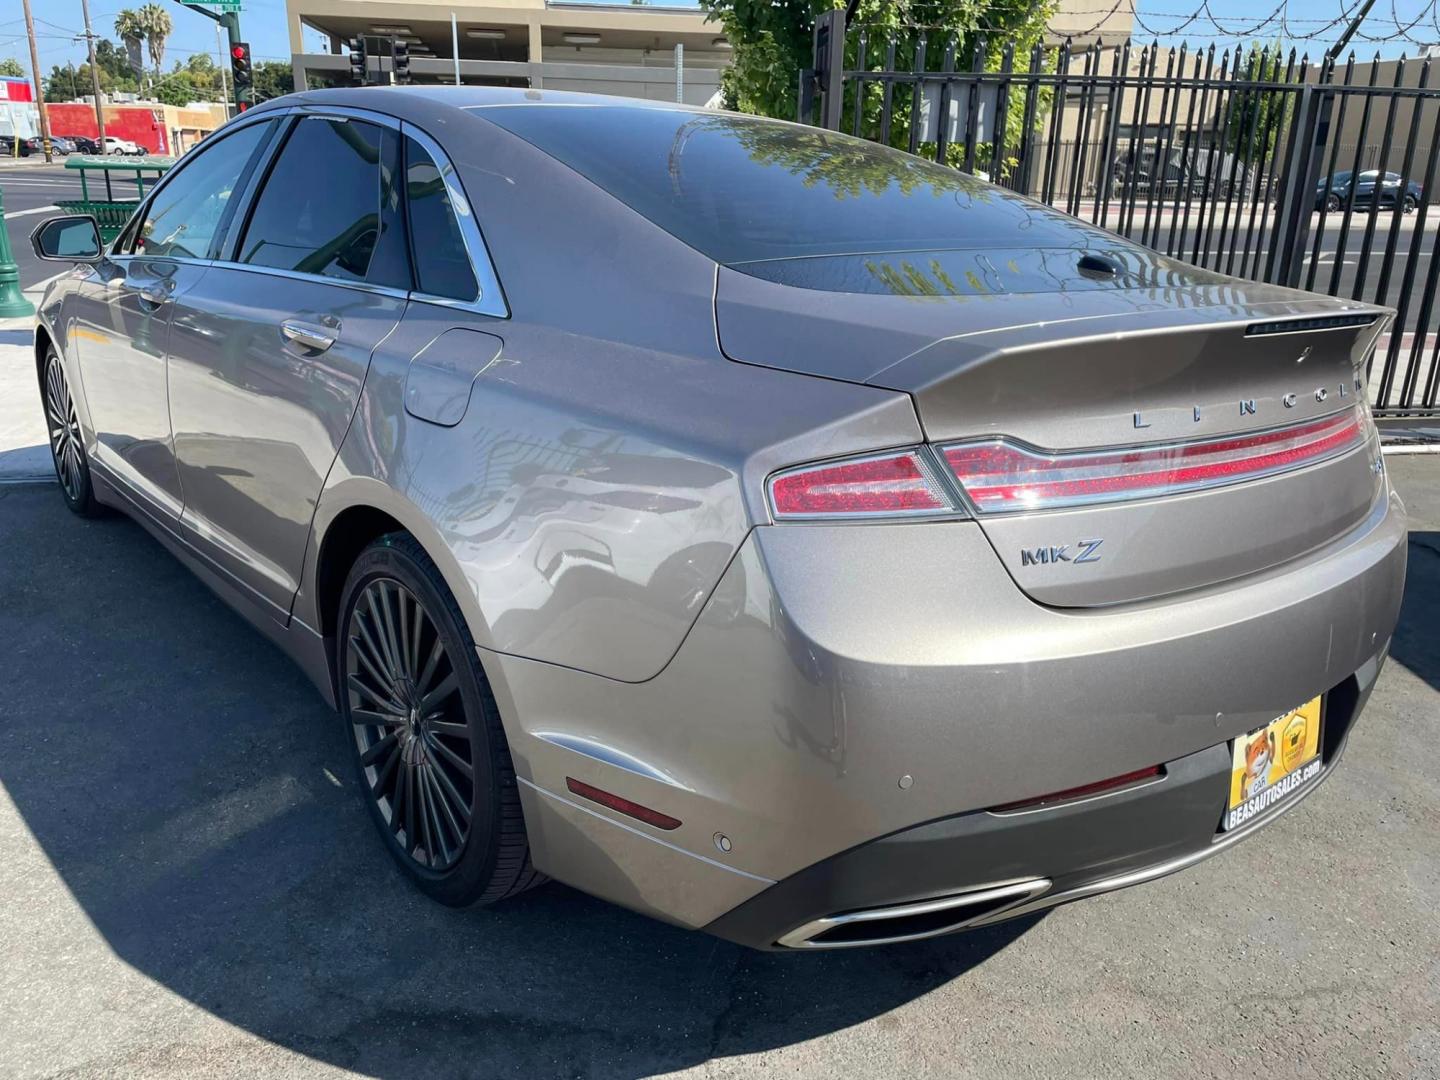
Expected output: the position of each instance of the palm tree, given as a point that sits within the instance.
(156, 21)
(130, 28)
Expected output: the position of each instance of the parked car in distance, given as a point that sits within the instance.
(1332, 193)
(9, 148)
(1185, 174)
(751, 525)
(60, 147)
(113, 145)
(83, 144)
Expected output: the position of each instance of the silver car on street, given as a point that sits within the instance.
(759, 528)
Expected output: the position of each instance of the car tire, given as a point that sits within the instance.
(1410, 204)
(430, 754)
(67, 444)
(1332, 203)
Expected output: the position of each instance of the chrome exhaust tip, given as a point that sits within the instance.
(914, 921)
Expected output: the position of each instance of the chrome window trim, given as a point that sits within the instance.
(319, 279)
(491, 300)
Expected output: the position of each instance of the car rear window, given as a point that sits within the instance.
(742, 189)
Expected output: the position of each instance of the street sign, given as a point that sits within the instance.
(223, 5)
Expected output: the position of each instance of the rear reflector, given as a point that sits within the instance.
(999, 475)
(888, 485)
(1124, 780)
(622, 805)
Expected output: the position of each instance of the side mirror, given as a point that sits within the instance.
(73, 238)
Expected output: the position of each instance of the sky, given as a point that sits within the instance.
(263, 25)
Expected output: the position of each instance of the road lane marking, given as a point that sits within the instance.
(33, 210)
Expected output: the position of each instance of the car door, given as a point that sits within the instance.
(270, 350)
(123, 314)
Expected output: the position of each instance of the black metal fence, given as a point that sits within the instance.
(1258, 164)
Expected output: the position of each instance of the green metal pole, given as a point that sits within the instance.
(12, 302)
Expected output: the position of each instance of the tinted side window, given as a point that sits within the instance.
(442, 265)
(323, 207)
(186, 214)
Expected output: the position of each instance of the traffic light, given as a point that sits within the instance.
(358, 63)
(240, 68)
(400, 59)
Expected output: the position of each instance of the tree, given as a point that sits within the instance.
(772, 39)
(131, 29)
(158, 26)
(272, 78)
(1258, 116)
(11, 66)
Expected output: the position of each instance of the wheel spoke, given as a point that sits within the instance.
(379, 749)
(438, 798)
(447, 686)
(412, 837)
(449, 755)
(448, 728)
(437, 652)
(370, 662)
(391, 663)
(403, 638)
(436, 828)
(418, 779)
(383, 776)
(387, 703)
(397, 799)
(461, 807)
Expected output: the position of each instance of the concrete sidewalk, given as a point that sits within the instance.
(24, 444)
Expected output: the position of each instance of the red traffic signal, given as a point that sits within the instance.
(240, 67)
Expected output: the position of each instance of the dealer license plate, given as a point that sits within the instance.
(1272, 763)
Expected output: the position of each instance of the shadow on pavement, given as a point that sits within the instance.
(1414, 641)
(195, 796)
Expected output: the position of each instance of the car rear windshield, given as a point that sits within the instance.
(742, 189)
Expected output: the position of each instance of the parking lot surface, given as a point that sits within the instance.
(189, 887)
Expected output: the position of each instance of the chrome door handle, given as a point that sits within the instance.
(312, 337)
(157, 292)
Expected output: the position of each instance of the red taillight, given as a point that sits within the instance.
(622, 805)
(999, 475)
(1115, 783)
(887, 485)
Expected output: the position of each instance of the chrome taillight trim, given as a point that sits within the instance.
(1364, 435)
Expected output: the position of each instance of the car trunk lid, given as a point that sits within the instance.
(1165, 366)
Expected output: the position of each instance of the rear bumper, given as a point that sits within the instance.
(786, 722)
(903, 887)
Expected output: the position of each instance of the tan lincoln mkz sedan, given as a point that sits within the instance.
(765, 530)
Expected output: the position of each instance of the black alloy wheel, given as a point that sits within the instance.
(430, 751)
(67, 444)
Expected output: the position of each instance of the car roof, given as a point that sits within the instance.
(413, 102)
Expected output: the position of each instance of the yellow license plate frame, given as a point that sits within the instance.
(1271, 763)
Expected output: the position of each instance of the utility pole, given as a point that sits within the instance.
(39, 86)
(224, 79)
(94, 75)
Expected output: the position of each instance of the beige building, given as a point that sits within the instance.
(600, 48)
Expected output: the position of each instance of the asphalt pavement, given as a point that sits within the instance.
(189, 887)
(31, 188)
